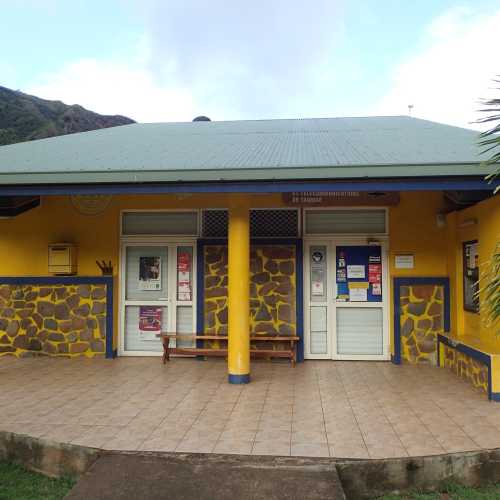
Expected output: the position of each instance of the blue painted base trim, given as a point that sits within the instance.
(114, 354)
(238, 379)
(495, 396)
(465, 349)
(394, 360)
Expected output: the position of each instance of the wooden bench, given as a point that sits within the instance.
(289, 352)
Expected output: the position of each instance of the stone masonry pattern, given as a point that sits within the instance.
(422, 312)
(466, 367)
(272, 291)
(52, 320)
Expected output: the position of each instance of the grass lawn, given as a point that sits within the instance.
(17, 483)
(452, 492)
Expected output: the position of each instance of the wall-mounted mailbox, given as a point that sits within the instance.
(62, 259)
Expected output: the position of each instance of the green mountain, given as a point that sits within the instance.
(24, 117)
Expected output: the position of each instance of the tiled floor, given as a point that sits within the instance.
(320, 408)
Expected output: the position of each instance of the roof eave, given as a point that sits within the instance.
(241, 175)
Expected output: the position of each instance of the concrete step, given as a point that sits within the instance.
(144, 476)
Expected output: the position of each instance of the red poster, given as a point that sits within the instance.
(150, 319)
(184, 276)
(375, 273)
(184, 262)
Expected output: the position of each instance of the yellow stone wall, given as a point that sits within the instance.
(466, 367)
(422, 317)
(272, 291)
(53, 320)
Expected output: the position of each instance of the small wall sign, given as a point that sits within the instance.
(404, 261)
(341, 198)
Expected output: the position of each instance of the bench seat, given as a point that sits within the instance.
(290, 351)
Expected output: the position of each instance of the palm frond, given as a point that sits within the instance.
(490, 141)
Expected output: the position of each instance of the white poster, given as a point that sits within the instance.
(317, 288)
(355, 271)
(358, 294)
(404, 261)
(149, 273)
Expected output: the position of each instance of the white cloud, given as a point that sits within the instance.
(174, 74)
(225, 60)
(109, 87)
(451, 72)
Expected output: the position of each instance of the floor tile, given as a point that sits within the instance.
(356, 409)
(277, 448)
(349, 451)
(309, 450)
(196, 446)
(273, 435)
(312, 437)
(158, 444)
(233, 447)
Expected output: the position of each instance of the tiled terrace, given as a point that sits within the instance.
(323, 408)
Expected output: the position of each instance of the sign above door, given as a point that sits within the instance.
(341, 198)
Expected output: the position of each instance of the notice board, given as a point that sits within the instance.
(358, 273)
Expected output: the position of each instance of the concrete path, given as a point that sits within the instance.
(119, 476)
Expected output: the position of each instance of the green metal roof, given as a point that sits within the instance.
(326, 148)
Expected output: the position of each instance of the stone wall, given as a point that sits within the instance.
(466, 367)
(272, 291)
(53, 320)
(421, 320)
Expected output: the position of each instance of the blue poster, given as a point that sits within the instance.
(359, 273)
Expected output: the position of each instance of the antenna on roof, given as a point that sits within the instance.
(410, 108)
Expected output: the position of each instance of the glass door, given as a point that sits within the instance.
(359, 282)
(318, 298)
(158, 286)
(345, 300)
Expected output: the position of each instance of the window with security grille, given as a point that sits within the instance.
(274, 223)
(263, 223)
(214, 223)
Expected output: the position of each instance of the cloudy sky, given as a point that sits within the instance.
(170, 60)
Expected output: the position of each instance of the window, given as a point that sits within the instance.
(345, 221)
(264, 223)
(214, 224)
(471, 276)
(274, 223)
(160, 223)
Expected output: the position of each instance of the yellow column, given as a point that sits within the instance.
(239, 294)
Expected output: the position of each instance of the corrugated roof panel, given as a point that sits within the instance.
(304, 148)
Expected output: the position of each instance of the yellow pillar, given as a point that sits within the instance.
(239, 294)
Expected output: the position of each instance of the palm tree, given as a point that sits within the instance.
(490, 141)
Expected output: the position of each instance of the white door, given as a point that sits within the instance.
(346, 297)
(157, 294)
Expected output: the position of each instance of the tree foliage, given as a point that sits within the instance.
(490, 141)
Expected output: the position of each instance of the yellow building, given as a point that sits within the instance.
(361, 237)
